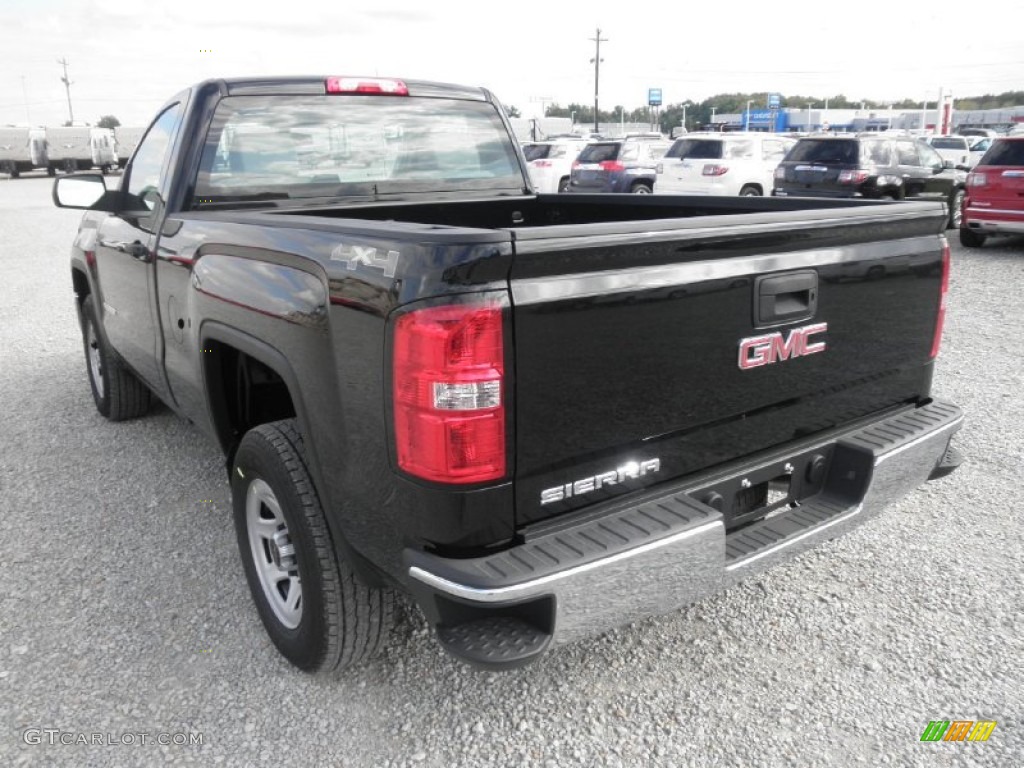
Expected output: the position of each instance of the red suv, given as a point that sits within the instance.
(994, 204)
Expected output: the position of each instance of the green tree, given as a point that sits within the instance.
(511, 110)
(108, 121)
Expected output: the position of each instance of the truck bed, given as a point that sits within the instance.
(628, 313)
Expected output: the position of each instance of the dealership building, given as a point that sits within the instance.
(791, 119)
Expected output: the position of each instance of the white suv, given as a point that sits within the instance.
(549, 163)
(721, 164)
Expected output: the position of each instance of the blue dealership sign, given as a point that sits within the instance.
(654, 97)
(774, 100)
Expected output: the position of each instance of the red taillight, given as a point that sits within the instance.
(976, 180)
(448, 393)
(940, 318)
(541, 163)
(853, 177)
(612, 165)
(575, 163)
(380, 85)
(713, 169)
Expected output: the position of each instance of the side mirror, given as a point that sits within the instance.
(948, 164)
(963, 167)
(84, 191)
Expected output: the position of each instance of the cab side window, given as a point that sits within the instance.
(906, 151)
(145, 182)
(929, 157)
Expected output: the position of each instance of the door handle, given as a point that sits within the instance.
(136, 249)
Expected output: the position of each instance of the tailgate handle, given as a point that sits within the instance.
(787, 298)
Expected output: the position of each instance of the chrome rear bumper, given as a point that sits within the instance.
(663, 549)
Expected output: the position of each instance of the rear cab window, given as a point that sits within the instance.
(948, 142)
(271, 148)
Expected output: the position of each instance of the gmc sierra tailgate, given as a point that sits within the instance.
(645, 351)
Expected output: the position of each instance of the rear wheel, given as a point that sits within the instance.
(313, 606)
(118, 394)
(971, 239)
(750, 190)
(563, 185)
(956, 210)
(641, 188)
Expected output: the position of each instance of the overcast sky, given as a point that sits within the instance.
(126, 58)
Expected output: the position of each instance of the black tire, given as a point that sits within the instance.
(118, 394)
(51, 171)
(750, 190)
(641, 188)
(563, 185)
(70, 166)
(970, 238)
(955, 209)
(341, 620)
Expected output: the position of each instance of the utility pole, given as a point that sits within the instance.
(596, 61)
(713, 117)
(67, 87)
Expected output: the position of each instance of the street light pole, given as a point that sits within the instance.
(713, 118)
(596, 61)
(24, 92)
(808, 118)
(749, 102)
(685, 105)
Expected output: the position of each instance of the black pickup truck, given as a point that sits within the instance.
(539, 416)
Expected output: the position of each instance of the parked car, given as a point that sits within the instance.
(897, 167)
(955, 148)
(550, 163)
(722, 164)
(625, 165)
(994, 204)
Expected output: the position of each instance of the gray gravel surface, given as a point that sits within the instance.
(125, 609)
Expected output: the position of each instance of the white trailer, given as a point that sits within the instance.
(14, 151)
(126, 139)
(102, 148)
(80, 148)
(21, 150)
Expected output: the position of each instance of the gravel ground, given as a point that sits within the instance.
(125, 609)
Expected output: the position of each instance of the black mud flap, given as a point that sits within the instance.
(950, 460)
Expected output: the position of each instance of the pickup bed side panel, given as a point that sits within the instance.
(311, 301)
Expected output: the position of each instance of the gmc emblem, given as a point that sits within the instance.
(756, 351)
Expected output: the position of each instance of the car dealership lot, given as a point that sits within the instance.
(125, 609)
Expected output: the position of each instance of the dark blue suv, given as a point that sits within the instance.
(625, 165)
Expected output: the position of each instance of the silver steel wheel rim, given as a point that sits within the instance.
(273, 554)
(958, 211)
(642, 190)
(95, 360)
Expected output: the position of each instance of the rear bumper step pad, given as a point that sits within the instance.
(658, 551)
